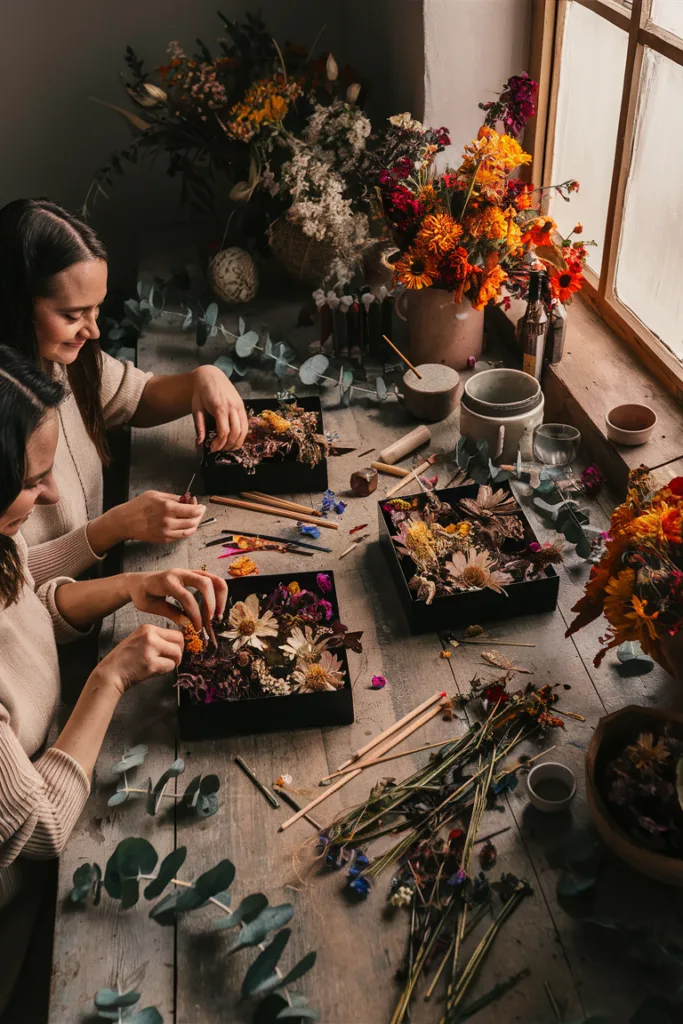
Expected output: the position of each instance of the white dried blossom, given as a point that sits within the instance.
(402, 897)
(406, 121)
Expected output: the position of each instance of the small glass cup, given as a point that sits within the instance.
(556, 444)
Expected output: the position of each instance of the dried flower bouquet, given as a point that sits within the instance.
(479, 544)
(287, 431)
(270, 646)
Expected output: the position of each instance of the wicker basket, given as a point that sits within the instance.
(303, 258)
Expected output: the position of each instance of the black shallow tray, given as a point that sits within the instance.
(468, 607)
(269, 714)
(273, 476)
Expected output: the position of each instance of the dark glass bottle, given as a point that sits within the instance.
(534, 325)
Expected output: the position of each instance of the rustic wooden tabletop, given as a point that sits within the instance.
(186, 972)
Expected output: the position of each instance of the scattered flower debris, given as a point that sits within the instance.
(378, 683)
(473, 631)
(329, 503)
(592, 479)
(309, 530)
(488, 855)
(444, 653)
(356, 529)
(283, 780)
(500, 661)
(243, 566)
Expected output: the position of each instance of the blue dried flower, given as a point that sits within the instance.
(311, 531)
(360, 886)
(457, 879)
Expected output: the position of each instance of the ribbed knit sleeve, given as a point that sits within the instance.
(70, 553)
(122, 387)
(64, 632)
(39, 803)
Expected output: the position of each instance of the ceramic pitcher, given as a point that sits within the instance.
(440, 330)
(502, 407)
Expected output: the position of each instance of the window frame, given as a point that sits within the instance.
(546, 66)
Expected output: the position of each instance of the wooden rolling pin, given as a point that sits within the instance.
(399, 449)
(382, 467)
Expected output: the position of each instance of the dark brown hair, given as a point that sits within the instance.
(26, 394)
(39, 239)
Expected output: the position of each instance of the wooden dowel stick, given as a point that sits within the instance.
(495, 643)
(387, 757)
(392, 741)
(383, 467)
(271, 510)
(293, 506)
(411, 476)
(401, 356)
(393, 728)
(405, 445)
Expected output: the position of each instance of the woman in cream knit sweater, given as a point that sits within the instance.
(42, 791)
(53, 278)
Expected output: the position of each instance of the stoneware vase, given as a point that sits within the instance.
(440, 330)
(502, 407)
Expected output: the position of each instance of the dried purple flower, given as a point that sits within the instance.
(324, 582)
(378, 683)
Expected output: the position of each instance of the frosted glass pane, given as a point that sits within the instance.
(588, 105)
(650, 262)
(668, 14)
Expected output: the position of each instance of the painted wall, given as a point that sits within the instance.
(471, 47)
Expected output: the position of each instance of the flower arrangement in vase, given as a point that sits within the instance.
(638, 582)
(465, 234)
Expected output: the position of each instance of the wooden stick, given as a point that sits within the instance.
(353, 544)
(293, 506)
(388, 757)
(662, 464)
(405, 445)
(294, 805)
(270, 510)
(495, 643)
(241, 763)
(439, 695)
(411, 476)
(401, 356)
(570, 714)
(392, 741)
(383, 467)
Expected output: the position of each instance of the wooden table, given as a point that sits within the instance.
(187, 973)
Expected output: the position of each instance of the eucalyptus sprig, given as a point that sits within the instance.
(565, 516)
(199, 798)
(135, 861)
(112, 1004)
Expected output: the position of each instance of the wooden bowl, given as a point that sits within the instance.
(613, 732)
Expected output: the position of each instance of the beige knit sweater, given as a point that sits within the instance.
(56, 534)
(40, 801)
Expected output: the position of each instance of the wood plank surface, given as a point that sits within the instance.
(359, 946)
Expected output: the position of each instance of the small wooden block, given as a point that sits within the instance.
(364, 482)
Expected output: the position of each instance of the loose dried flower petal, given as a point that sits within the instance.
(378, 682)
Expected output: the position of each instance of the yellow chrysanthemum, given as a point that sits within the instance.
(439, 234)
(490, 287)
(489, 223)
(429, 197)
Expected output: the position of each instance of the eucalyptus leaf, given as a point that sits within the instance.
(168, 869)
(219, 877)
(112, 999)
(249, 908)
(131, 858)
(245, 344)
(241, 368)
(211, 314)
(148, 1015)
(189, 317)
(241, 326)
(312, 369)
(298, 971)
(206, 806)
(380, 389)
(190, 795)
(176, 769)
(261, 976)
(82, 879)
(209, 784)
(298, 1013)
(281, 367)
(120, 797)
(132, 309)
(131, 759)
(267, 347)
(225, 364)
(268, 1009)
(346, 397)
(267, 921)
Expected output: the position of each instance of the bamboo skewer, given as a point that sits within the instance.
(390, 742)
(391, 730)
(293, 506)
(389, 757)
(384, 467)
(411, 476)
(401, 356)
(495, 643)
(271, 510)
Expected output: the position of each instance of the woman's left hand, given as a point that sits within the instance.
(214, 394)
(149, 592)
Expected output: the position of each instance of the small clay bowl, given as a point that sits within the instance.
(631, 424)
(551, 786)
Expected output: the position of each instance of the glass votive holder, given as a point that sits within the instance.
(556, 444)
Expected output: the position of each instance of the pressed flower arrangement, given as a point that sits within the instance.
(473, 229)
(281, 638)
(285, 451)
(638, 582)
(459, 551)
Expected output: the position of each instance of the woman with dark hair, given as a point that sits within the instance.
(42, 791)
(53, 278)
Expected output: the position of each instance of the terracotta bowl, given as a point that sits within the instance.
(611, 735)
(631, 424)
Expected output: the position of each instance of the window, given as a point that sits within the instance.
(611, 74)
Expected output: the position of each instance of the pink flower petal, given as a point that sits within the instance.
(378, 683)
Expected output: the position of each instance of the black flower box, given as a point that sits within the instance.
(529, 597)
(268, 714)
(279, 475)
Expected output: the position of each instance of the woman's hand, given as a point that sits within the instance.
(149, 592)
(148, 651)
(154, 517)
(214, 394)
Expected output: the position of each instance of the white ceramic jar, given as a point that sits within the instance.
(502, 407)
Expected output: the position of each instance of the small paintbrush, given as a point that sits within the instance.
(293, 541)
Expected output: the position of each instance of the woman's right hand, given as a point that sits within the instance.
(147, 651)
(154, 517)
